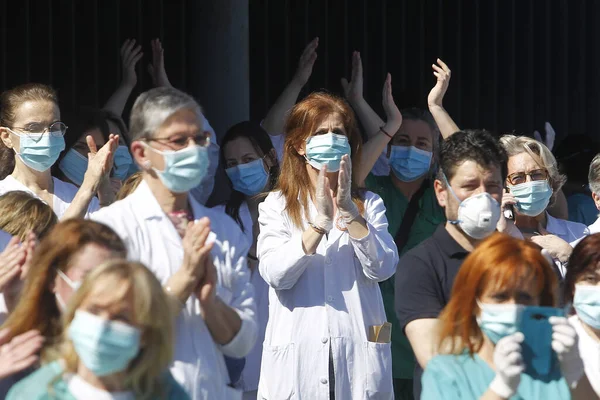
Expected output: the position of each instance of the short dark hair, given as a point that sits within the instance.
(584, 258)
(471, 145)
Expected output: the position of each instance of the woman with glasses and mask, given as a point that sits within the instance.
(161, 218)
(30, 126)
(531, 186)
(488, 328)
(323, 246)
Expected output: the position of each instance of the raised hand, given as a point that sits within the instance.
(442, 74)
(196, 248)
(157, 68)
(324, 201)
(353, 90)
(20, 353)
(11, 260)
(564, 343)
(392, 113)
(306, 63)
(100, 162)
(348, 209)
(130, 55)
(550, 136)
(509, 365)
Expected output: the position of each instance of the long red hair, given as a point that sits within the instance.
(499, 262)
(303, 120)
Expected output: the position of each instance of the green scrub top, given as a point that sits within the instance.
(46, 384)
(465, 377)
(429, 216)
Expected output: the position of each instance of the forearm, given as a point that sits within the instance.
(106, 194)
(117, 101)
(310, 241)
(443, 120)
(222, 321)
(181, 286)
(275, 119)
(369, 119)
(79, 206)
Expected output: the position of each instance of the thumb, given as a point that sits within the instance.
(91, 143)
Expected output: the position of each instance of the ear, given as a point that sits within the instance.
(596, 198)
(301, 148)
(138, 152)
(440, 192)
(6, 137)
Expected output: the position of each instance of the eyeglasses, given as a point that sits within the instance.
(57, 129)
(521, 177)
(180, 142)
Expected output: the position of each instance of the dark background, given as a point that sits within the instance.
(515, 63)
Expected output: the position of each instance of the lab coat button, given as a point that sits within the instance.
(324, 340)
(324, 381)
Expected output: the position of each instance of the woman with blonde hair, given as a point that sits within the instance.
(323, 246)
(21, 213)
(117, 341)
(484, 336)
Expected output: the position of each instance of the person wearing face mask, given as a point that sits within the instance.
(117, 341)
(322, 246)
(62, 258)
(582, 290)
(483, 335)
(532, 182)
(398, 165)
(594, 182)
(30, 125)
(469, 188)
(217, 317)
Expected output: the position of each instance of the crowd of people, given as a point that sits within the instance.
(355, 258)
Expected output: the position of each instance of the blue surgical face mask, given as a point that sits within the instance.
(105, 347)
(184, 169)
(499, 320)
(409, 163)
(122, 163)
(39, 151)
(587, 304)
(74, 165)
(250, 178)
(532, 197)
(327, 149)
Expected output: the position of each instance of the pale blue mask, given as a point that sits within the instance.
(105, 347)
(532, 197)
(74, 165)
(409, 163)
(587, 304)
(327, 149)
(184, 169)
(499, 320)
(250, 178)
(39, 151)
(122, 163)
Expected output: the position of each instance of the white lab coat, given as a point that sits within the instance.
(251, 372)
(63, 194)
(589, 349)
(152, 239)
(595, 227)
(324, 303)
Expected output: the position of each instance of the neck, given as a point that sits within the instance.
(168, 201)
(313, 174)
(34, 180)
(464, 240)
(486, 352)
(526, 223)
(408, 189)
(594, 333)
(109, 383)
(253, 202)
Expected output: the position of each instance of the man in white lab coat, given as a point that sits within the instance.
(201, 263)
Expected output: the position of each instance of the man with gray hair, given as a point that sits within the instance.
(594, 182)
(198, 254)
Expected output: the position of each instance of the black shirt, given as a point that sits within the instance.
(424, 279)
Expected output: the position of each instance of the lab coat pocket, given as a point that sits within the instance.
(378, 363)
(280, 362)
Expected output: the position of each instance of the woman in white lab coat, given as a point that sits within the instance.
(323, 246)
(30, 127)
(170, 145)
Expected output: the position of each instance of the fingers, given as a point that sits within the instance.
(444, 66)
(91, 143)
(310, 50)
(4, 335)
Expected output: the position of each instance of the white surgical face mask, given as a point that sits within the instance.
(477, 215)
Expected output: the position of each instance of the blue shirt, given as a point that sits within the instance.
(465, 377)
(582, 208)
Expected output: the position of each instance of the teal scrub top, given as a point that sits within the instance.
(465, 377)
(38, 385)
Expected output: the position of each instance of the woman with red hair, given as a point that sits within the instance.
(480, 342)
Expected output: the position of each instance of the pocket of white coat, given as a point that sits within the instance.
(378, 364)
(280, 364)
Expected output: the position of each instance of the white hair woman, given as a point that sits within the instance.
(594, 182)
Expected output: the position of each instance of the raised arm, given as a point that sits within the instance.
(157, 68)
(443, 120)
(130, 55)
(275, 119)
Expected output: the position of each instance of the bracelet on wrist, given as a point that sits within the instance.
(385, 132)
(317, 229)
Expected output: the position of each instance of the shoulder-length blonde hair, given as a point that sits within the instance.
(302, 122)
(154, 315)
(37, 308)
(21, 213)
(501, 262)
(541, 155)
